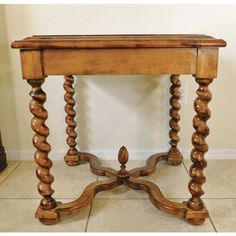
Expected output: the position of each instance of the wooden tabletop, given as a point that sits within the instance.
(119, 41)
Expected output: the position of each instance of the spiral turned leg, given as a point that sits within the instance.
(43, 148)
(71, 157)
(175, 156)
(200, 147)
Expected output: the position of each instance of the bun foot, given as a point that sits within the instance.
(196, 217)
(48, 221)
(197, 221)
(72, 160)
(48, 217)
(72, 163)
(175, 157)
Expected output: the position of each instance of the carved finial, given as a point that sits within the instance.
(123, 157)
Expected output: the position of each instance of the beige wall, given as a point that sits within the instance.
(113, 110)
(8, 121)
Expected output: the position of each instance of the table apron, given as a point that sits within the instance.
(119, 61)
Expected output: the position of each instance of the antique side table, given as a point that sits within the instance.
(42, 56)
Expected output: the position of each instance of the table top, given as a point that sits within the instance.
(119, 41)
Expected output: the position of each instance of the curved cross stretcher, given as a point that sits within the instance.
(116, 179)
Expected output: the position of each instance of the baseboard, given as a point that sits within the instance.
(220, 154)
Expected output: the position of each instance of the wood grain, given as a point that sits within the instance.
(118, 41)
(119, 61)
(31, 64)
(207, 63)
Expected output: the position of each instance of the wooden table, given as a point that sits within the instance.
(42, 56)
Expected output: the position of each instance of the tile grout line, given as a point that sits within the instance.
(212, 224)
(185, 168)
(87, 222)
(90, 210)
(11, 172)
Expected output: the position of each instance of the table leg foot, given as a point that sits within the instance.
(72, 160)
(196, 217)
(47, 217)
(198, 221)
(48, 221)
(175, 157)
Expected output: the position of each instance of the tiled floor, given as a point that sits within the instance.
(121, 209)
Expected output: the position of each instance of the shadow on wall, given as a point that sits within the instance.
(126, 110)
(8, 123)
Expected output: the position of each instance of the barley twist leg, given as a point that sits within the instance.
(200, 147)
(175, 156)
(71, 157)
(43, 147)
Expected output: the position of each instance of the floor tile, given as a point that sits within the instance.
(11, 165)
(220, 178)
(222, 213)
(69, 181)
(19, 217)
(136, 215)
(172, 181)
